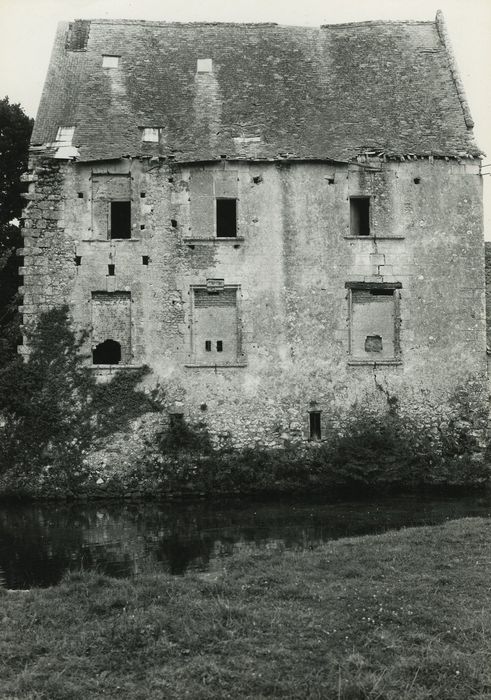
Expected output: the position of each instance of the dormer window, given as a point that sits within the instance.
(205, 65)
(110, 61)
(151, 135)
(65, 135)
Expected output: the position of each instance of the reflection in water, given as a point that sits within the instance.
(39, 543)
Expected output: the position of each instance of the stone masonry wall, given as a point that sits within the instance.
(295, 267)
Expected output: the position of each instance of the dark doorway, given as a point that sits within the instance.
(107, 353)
(120, 219)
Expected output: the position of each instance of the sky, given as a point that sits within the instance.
(27, 29)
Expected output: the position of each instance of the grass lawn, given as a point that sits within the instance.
(405, 615)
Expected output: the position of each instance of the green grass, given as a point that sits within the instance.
(400, 616)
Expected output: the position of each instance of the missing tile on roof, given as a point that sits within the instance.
(204, 65)
(150, 134)
(65, 134)
(110, 61)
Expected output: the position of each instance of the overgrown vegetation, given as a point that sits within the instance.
(52, 410)
(400, 616)
(380, 450)
(15, 132)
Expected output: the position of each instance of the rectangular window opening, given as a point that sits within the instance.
(360, 216)
(219, 345)
(315, 425)
(111, 270)
(78, 260)
(208, 345)
(145, 259)
(226, 218)
(120, 220)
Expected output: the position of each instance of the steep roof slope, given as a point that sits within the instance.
(323, 93)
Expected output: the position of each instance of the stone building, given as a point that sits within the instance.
(282, 222)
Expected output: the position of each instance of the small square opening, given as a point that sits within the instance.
(120, 220)
(226, 218)
(360, 216)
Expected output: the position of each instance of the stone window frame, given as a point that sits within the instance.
(241, 360)
(395, 287)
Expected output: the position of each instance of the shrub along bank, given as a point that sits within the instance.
(399, 616)
(56, 421)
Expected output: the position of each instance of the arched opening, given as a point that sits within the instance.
(107, 353)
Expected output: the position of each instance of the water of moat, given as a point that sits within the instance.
(39, 543)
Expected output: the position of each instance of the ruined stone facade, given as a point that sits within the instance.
(271, 280)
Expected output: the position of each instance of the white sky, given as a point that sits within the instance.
(27, 29)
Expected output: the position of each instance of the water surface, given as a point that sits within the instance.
(39, 543)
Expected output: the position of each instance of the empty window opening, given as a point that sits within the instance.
(315, 425)
(173, 223)
(78, 260)
(65, 134)
(417, 180)
(208, 345)
(219, 345)
(226, 218)
(204, 65)
(257, 179)
(107, 353)
(382, 292)
(330, 181)
(110, 61)
(142, 227)
(80, 195)
(120, 219)
(145, 259)
(360, 216)
(170, 179)
(110, 270)
(373, 343)
(143, 195)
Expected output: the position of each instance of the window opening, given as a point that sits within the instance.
(145, 259)
(315, 425)
(120, 219)
(208, 345)
(110, 270)
(107, 353)
(360, 216)
(78, 260)
(226, 218)
(219, 345)
(80, 195)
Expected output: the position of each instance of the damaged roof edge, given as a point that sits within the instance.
(459, 86)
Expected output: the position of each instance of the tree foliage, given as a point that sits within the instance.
(52, 410)
(15, 132)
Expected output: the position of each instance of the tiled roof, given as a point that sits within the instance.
(274, 91)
